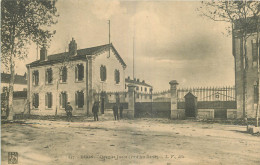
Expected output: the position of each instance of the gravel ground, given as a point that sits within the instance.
(140, 141)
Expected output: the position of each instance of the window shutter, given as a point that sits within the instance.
(33, 100)
(76, 98)
(82, 98)
(76, 73)
(66, 99)
(33, 78)
(46, 100)
(37, 100)
(46, 76)
(82, 68)
(37, 78)
(60, 99)
(50, 100)
(50, 76)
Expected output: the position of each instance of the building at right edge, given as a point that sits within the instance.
(246, 104)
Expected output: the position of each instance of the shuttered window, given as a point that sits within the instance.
(79, 99)
(256, 95)
(79, 72)
(48, 76)
(64, 74)
(35, 77)
(117, 76)
(48, 100)
(103, 73)
(63, 99)
(35, 101)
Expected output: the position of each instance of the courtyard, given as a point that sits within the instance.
(140, 141)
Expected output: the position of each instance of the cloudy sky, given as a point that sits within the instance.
(171, 40)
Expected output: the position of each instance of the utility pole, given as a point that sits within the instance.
(109, 37)
(133, 57)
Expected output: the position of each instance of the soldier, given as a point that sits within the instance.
(95, 111)
(115, 111)
(69, 110)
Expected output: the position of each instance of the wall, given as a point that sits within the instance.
(71, 86)
(148, 109)
(111, 64)
(205, 114)
(251, 77)
(17, 87)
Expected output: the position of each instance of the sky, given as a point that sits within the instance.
(171, 40)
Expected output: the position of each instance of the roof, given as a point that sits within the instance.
(81, 54)
(127, 80)
(18, 79)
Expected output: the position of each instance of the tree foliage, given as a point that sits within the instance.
(24, 21)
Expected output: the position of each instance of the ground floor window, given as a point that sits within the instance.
(63, 99)
(35, 101)
(48, 100)
(79, 99)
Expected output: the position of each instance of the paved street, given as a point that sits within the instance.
(141, 141)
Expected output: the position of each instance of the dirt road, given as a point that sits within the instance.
(141, 141)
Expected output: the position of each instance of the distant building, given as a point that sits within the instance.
(143, 90)
(251, 77)
(78, 76)
(20, 82)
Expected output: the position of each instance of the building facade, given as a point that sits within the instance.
(20, 82)
(246, 104)
(74, 76)
(143, 91)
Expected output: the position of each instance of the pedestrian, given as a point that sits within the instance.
(69, 110)
(115, 111)
(121, 108)
(95, 111)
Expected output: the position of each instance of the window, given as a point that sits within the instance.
(141, 88)
(79, 72)
(117, 76)
(5, 89)
(125, 86)
(79, 99)
(48, 100)
(35, 77)
(48, 76)
(63, 99)
(138, 95)
(63, 77)
(145, 89)
(35, 101)
(103, 73)
(137, 88)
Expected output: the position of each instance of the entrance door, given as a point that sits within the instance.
(190, 105)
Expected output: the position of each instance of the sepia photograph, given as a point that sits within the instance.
(130, 82)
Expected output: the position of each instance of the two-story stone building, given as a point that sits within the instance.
(74, 76)
(246, 103)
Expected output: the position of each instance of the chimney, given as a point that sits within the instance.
(143, 81)
(43, 53)
(138, 80)
(73, 47)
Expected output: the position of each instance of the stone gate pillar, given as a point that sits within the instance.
(130, 112)
(173, 91)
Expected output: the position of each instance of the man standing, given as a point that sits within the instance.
(115, 111)
(121, 108)
(68, 110)
(95, 111)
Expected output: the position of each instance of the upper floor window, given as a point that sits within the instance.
(103, 73)
(117, 76)
(145, 89)
(79, 99)
(79, 72)
(5, 89)
(141, 88)
(63, 77)
(137, 88)
(35, 100)
(48, 100)
(35, 77)
(63, 99)
(48, 76)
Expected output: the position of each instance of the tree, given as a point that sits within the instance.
(243, 17)
(23, 22)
